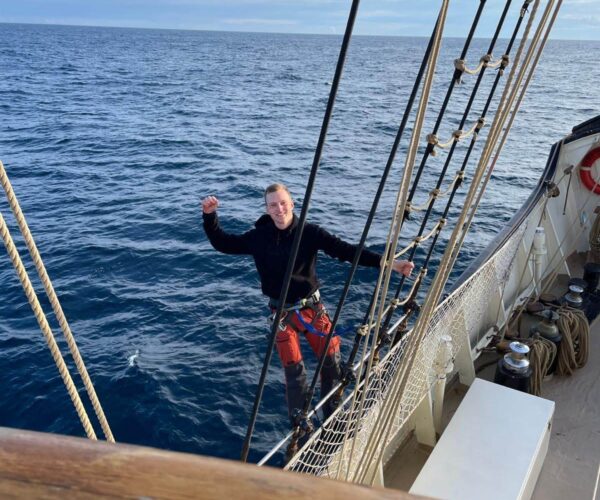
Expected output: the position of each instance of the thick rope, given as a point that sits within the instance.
(56, 307)
(45, 327)
(481, 120)
(376, 440)
(507, 109)
(574, 348)
(393, 235)
(479, 124)
(541, 357)
(406, 115)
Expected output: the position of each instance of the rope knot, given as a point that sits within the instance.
(435, 193)
(505, 61)
(460, 65)
(418, 239)
(485, 59)
(395, 303)
(480, 124)
(433, 139)
(363, 330)
(442, 223)
(457, 134)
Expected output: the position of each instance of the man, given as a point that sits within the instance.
(270, 243)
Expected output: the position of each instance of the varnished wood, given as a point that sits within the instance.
(38, 465)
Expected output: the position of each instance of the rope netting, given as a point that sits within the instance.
(463, 315)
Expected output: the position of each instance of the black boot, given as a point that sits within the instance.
(295, 388)
(331, 374)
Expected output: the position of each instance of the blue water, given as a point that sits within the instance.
(112, 136)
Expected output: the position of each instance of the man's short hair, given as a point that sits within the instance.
(276, 187)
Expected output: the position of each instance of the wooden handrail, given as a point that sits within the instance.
(36, 465)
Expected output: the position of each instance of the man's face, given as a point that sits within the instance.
(280, 207)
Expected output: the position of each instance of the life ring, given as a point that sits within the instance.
(585, 170)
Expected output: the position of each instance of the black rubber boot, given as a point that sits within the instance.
(331, 374)
(295, 388)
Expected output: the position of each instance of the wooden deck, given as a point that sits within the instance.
(572, 466)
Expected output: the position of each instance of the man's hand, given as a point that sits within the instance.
(403, 266)
(210, 204)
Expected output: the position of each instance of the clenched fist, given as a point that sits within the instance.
(210, 204)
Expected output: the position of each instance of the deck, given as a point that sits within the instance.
(572, 466)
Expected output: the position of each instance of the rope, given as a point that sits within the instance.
(301, 223)
(56, 307)
(383, 426)
(512, 97)
(365, 328)
(515, 312)
(358, 337)
(45, 327)
(484, 62)
(455, 79)
(541, 357)
(574, 348)
(392, 239)
(479, 124)
(436, 194)
(420, 239)
(457, 135)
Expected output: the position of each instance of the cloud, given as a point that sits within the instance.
(259, 22)
(589, 19)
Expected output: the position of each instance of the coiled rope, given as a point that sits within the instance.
(541, 357)
(56, 307)
(574, 348)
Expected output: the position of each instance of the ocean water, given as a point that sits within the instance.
(112, 136)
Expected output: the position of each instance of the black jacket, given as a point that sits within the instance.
(271, 248)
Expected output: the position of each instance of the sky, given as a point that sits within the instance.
(578, 19)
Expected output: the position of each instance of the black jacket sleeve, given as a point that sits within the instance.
(225, 242)
(336, 247)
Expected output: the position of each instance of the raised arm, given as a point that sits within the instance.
(338, 248)
(219, 239)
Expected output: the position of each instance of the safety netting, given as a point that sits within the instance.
(336, 448)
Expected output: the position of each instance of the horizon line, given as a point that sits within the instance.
(263, 32)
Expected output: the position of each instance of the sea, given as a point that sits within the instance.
(112, 136)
